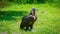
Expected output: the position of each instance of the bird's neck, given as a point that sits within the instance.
(32, 13)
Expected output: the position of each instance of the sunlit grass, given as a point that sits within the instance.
(48, 22)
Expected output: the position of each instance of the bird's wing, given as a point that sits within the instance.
(26, 19)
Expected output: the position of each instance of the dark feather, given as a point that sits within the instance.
(28, 21)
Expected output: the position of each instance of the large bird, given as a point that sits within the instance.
(28, 21)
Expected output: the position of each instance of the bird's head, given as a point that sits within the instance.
(34, 9)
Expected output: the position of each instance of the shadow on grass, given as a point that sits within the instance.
(9, 15)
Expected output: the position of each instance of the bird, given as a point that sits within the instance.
(28, 21)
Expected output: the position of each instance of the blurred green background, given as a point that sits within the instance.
(12, 12)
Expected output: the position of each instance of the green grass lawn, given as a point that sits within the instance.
(48, 22)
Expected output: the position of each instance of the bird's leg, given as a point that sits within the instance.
(31, 26)
(27, 28)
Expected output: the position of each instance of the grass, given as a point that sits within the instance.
(48, 22)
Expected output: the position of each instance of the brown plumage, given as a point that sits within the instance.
(28, 21)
